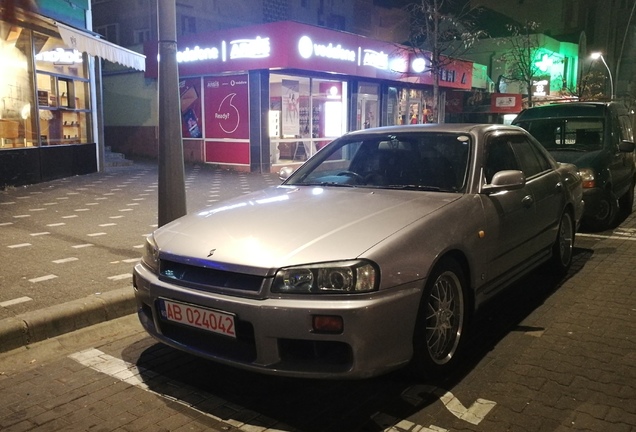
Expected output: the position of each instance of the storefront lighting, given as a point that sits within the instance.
(419, 65)
(25, 112)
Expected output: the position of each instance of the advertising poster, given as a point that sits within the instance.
(190, 89)
(291, 120)
(226, 107)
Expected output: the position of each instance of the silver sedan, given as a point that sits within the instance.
(373, 255)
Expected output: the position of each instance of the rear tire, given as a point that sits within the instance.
(441, 322)
(626, 202)
(563, 248)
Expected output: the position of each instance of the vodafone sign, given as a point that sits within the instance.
(291, 45)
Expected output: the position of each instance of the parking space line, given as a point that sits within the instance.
(42, 278)
(15, 301)
(136, 376)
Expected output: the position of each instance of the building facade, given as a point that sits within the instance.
(48, 94)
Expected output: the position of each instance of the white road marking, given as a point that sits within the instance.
(21, 216)
(65, 260)
(474, 414)
(39, 233)
(15, 301)
(108, 224)
(42, 278)
(616, 236)
(120, 277)
(69, 217)
(6, 223)
(21, 245)
(97, 234)
(132, 374)
(80, 246)
(56, 224)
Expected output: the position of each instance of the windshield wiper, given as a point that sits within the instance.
(416, 187)
(325, 184)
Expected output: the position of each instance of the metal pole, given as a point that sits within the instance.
(609, 72)
(172, 200)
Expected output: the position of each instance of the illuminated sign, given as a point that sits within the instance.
(378, 60)
(419, 65)
(250, 48)
(541, 87)
(60, 56)
(256, 48)
(197, 54)
(307, 49)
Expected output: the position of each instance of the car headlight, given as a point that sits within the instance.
(330, 278)
(588, 177)
(150, 258)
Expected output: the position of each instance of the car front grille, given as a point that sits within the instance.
(207, 279)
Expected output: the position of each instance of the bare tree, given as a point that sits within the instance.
(441, 31)
(522, 54)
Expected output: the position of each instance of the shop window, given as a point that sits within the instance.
(63, 94)
(305, 114)
(17, 107)
(368, 108)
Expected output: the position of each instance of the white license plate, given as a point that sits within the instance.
(201, 318)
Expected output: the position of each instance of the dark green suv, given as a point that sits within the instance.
(597, 137)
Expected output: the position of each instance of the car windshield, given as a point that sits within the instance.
(409, 161)
(579, 134)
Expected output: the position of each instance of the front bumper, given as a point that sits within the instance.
(275, 335)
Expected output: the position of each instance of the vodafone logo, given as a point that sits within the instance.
(307, 49)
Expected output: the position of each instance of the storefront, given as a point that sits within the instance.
(48, 126)
(261, 97)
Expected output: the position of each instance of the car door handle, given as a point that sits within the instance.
(527, 201)
(559, 186)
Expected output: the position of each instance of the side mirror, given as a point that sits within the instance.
(505, 180)
(626, 146)
(285, 172)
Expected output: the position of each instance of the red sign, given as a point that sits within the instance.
(226, 111)
(291, 45)
(505, 103)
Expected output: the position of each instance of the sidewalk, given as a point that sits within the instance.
(68, 246)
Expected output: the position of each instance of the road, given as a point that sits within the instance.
(547, 355)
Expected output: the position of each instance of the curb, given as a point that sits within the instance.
(36, 326)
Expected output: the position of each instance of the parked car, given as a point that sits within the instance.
(372, 255)
(598, 138)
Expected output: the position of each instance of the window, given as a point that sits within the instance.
(188, 25)
(110, 32)
(500, 157)
(141, 36)
(531, 161)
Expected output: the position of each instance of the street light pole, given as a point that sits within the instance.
(596, 56)
(171, 194)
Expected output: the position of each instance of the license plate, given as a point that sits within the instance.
(198, 317)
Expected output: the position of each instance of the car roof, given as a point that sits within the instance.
(569, 109)
(467, 128)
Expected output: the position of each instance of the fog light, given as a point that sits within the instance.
(327, 324)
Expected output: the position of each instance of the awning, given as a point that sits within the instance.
(94, 46)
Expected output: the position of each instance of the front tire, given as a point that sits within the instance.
(441, 321)
(606, 215)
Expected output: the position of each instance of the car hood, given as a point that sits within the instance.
(285, 225)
